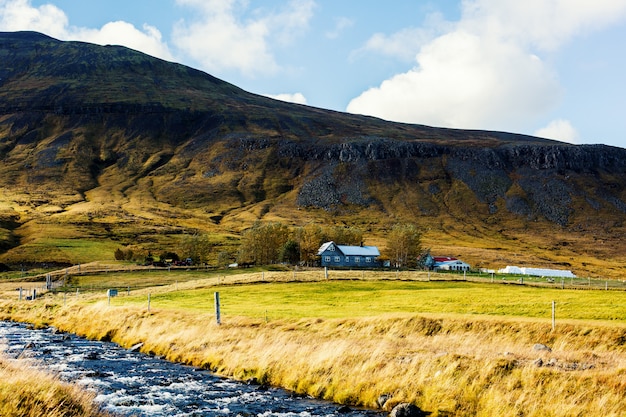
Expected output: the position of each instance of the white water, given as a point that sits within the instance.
(133, 384)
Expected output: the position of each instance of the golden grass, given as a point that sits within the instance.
(449, 364)
(26, 392)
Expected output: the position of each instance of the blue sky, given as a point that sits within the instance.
(553, 68)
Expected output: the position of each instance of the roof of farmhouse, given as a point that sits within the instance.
(350, 250)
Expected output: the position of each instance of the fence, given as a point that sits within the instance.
(58, 279)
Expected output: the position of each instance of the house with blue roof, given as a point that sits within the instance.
(343, 256)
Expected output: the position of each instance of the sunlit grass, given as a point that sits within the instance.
(451, 347)
(25, 391)
(337, 299)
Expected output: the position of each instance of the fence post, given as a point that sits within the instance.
(218, 315)
(553, 315)
(148, 302)
(20, 293)
(326, 272)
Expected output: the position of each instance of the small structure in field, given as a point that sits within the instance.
(447, 263)
(444, 263)
(537, 272)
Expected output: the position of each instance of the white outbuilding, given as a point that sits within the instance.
(537, 272)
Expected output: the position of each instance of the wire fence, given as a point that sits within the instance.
(133, 277)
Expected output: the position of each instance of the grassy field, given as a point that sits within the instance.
(453, 348)
(343, 299)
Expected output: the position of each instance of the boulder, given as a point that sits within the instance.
(382, 400)
(407, 410)
(540, 346)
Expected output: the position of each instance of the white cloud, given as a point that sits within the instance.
(222, 39)
(484, 72)
(463, 80)
(403, 44)
(122, 33)
(21, 15)
(298, 98)
(16, 15)
(341, 24)
(407, 42)
(559, 129)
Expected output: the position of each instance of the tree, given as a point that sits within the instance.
(172, 256)
(224, 259)
(124, 254)
(261, 243)
(309, 237)
(119, 254)
(197, 247)
(404, 245)
(344, 235)
(290, 252)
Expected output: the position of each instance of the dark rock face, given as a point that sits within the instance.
(545, 176)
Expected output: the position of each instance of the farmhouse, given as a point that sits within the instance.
(450, 264)
(333, 255)
(445, 263)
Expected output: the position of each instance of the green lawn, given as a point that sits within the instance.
(338, 299)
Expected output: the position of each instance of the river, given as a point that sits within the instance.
(130, 383)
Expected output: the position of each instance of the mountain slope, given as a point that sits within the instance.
(109, 145)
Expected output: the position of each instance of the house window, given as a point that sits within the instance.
(368, 260)
(337, 259)
(347, 259)
(326, 258)
(357, 259)
(331, 248)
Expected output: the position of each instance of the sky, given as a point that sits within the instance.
(550, 68)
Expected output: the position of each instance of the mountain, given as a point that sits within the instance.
(103, 146)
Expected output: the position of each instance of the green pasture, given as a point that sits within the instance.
(343, 299)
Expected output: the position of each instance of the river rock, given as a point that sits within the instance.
(540, 346)
(135, 348)
(407, 410)
(382, 400)
(92, 356)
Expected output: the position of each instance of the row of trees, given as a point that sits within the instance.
(275, 242)
(268, 243)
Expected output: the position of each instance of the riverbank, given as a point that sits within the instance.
(25, 391)
(445, 364)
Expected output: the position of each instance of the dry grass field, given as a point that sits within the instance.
(452, 348)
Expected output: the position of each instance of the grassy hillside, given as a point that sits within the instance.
(104, 147)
